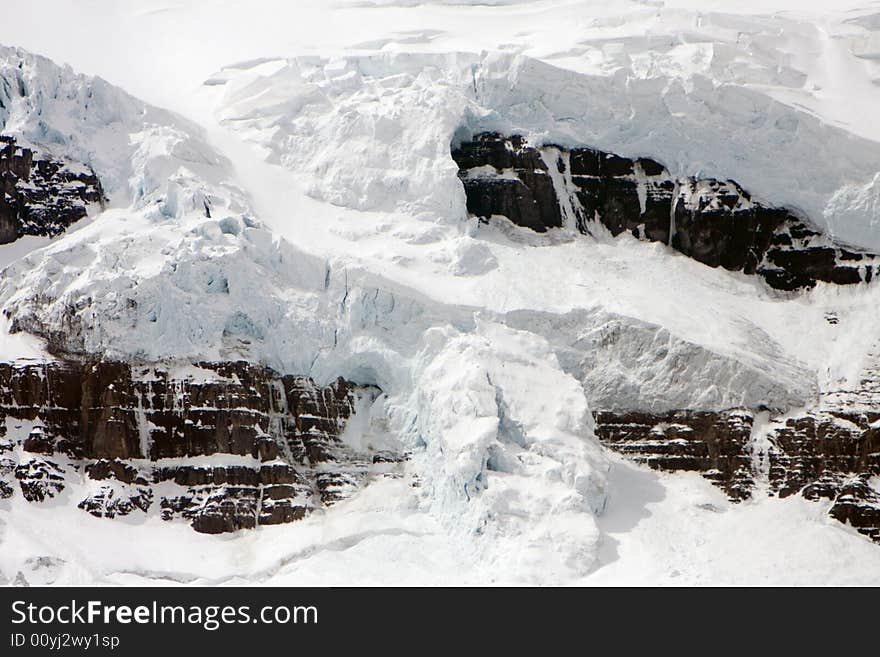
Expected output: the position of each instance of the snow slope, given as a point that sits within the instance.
(337, 245)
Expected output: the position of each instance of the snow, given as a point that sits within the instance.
(19, 346)
(510, 456)
(675, 530)
(13, 251)
(338, 245)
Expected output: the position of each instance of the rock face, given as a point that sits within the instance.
(829, 453)
(225, 446)
(714, 444)
(822, 456)
(42, 195)
(716, 222)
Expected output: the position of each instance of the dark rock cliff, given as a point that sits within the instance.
(716, 445)
(716, 222)
(42, 195)
(225, 446)
(830, 456)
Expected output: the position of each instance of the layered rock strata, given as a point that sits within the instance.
(827, 456)
(225, 446)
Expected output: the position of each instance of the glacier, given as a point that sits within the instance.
(298, 207)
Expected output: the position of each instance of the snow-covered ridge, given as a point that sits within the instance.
(309, 315)
(174, 256)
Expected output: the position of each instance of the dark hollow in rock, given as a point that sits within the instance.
(715, 222)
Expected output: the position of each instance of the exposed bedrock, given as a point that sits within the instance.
(716, 222)
(715, 444)
(225, 446)
(42, 195)
(822, 456)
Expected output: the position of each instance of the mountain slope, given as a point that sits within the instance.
(309, 218)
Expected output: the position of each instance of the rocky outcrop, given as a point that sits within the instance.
(716, 222)
(225, 446)
(42, 195)
(39, 479)
(509, 178)
(833, 457)
(714, 444)
(818, 453)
